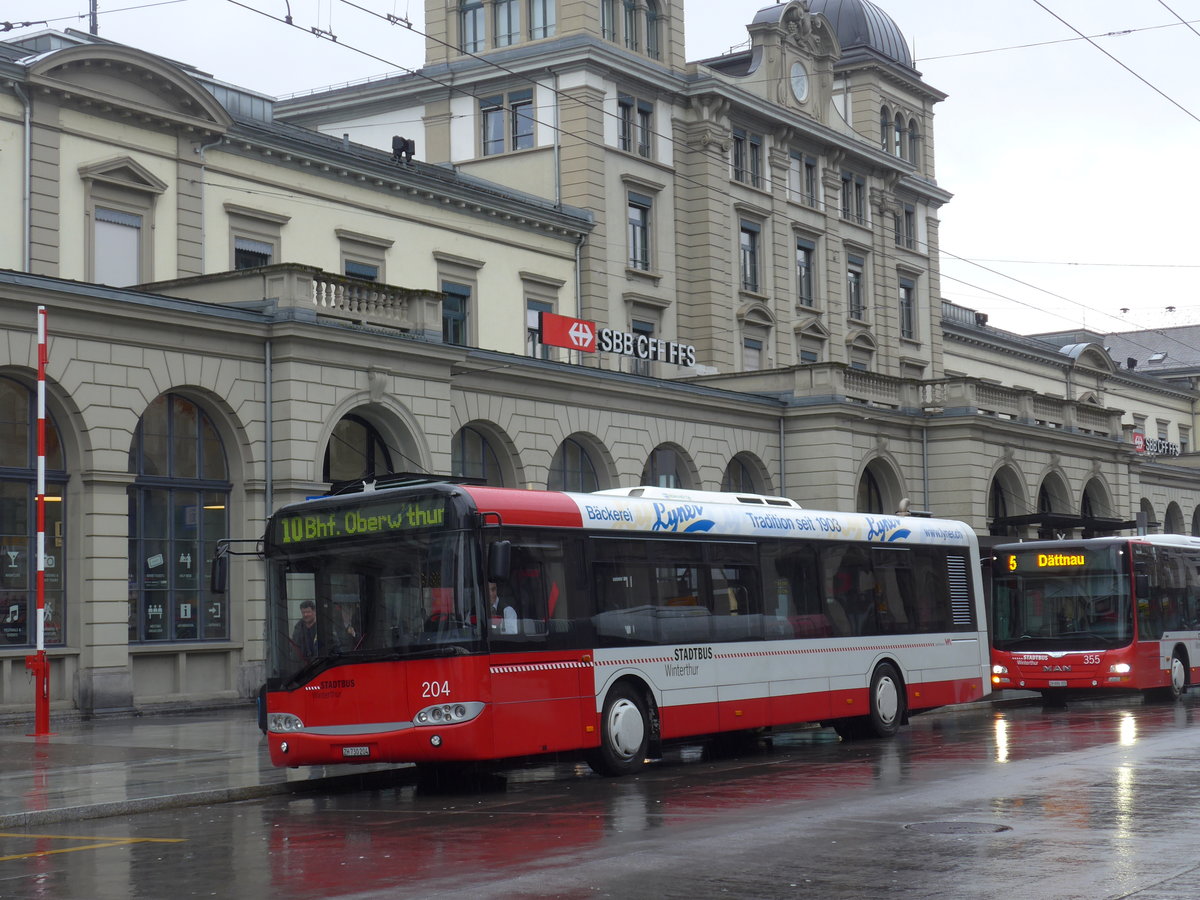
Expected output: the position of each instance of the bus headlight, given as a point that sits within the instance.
(284, 723)
(999, 670)
(448, 713)
(1119, 668)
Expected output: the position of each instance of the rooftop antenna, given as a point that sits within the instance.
(93, 18)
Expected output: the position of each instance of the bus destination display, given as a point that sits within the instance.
(359, 520)
(1057, 561)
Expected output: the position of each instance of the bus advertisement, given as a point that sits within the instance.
(447, 622)
(1097, 614)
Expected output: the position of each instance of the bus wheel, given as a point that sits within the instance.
(624, 730)
(887, 701)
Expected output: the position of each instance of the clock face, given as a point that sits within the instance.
(799, 80)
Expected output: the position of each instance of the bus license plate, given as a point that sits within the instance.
(1052, 684)
(356, 751)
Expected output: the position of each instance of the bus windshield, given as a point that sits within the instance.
(1066, 600)
(399, 594)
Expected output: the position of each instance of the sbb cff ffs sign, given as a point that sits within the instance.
(579, 334)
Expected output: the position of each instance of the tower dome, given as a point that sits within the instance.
(860, 24)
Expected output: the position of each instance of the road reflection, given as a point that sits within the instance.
(544, 815)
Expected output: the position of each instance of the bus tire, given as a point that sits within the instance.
(1174, 690)
(887, 702)
(624, 733)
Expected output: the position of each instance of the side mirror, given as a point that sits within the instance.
(499, 560)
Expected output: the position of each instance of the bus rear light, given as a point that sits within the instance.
(284, 723)
(448, 713)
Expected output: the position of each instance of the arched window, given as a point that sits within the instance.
(472, 456)
(653, 30)
(356, 452)
(631, 26)
(885, 129)
(572, 469)
(506, 14)
(18, 520)
(541, 19)
(739, 479)
(899, 143)
(608, 19)
(178, 510)
(870, 496)
(470, 26)
(665, 469)
(914, 142)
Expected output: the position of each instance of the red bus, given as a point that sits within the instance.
(1097, 614)
(623, 620)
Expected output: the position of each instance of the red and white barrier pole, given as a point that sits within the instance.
(42, 666)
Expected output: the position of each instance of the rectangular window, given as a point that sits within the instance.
(645, 127)
(522, 124)
(362, 271)
(748, 237)
(541, 19)
(805, 256)
(639, 231)
(808, 349)
(635, 125)
(908, 309)
(608, 19)
(855, 306)
(854, 197)
(646, 329)
(533, 328)
(1185, 439)
(747, 157)
(752, 350)
(118, 243)
(455, 308)
(802, 179)
(507, 123)
(491, 111)
(507, 15)
(631, 25)
(906, 227)
(249, 254)
(625, 123)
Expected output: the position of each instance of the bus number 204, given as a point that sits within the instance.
(436, 689)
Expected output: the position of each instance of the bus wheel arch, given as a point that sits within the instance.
(1177, 677)
(629, 731)
(887, 699)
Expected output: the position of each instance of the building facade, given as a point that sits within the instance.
(250, 301)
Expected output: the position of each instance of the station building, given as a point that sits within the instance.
(249, 300)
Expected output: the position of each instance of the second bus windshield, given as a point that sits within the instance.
(1063, 609)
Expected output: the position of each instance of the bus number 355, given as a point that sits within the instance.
(435, 689)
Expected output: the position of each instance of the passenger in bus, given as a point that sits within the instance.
(304, 635)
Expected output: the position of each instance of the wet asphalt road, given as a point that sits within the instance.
(1100, 800)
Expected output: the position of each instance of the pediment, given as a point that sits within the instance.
(812, 326)
(124, 172)
(108, 79)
